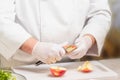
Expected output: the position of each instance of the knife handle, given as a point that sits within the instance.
(38, 63)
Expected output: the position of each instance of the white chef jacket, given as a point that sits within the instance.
(55, 21)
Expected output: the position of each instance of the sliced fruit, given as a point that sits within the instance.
(69, 48)
(86, 67)
(57, 71)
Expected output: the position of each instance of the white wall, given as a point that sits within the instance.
(115, 8)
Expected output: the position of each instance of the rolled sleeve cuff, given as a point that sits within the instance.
(99, 35)
(8, 50)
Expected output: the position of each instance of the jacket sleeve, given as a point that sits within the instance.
(98, 24)
(12, 35)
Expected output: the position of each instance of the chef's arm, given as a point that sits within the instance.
(12, 35)
(91, 37)
(98, 24)
(28, 45)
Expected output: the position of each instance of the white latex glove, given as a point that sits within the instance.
(48, 52)
(83, 45)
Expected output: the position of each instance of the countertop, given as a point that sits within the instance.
(113, 64)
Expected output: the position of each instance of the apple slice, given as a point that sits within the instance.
(57, 71)
(86, 67)
(69, 48)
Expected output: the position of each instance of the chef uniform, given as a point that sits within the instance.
(55, 21)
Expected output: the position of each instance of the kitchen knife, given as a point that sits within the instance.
(68, 49)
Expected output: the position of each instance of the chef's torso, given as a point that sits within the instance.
(50, 21)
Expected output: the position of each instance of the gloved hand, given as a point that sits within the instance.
(48, 52)
(83, 45)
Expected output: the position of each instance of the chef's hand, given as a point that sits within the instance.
(48, 52)
(83, 45)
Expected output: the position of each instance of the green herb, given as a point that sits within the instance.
(6, 75)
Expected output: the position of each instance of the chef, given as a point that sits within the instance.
(38, 30)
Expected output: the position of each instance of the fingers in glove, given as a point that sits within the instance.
(77, 56)
(53, 60)
(77, 53)
(50, 60)
(58, 52)
(62, 52)
(58, 58)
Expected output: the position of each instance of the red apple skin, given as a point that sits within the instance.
(86, 67)
(57, 72)
(86, 70)
(69, 48)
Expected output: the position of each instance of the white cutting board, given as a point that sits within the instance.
(41, 72)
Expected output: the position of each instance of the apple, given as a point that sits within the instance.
(86, 67)
(57, 71)
(69, 48)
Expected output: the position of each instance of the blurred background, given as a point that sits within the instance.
(111, 48)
